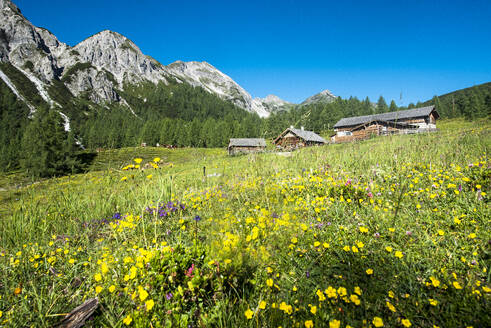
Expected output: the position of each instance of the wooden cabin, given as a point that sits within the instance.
(246, 145)
(415, 120)
(293, 138)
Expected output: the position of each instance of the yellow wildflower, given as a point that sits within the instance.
(127, 320)
(334, 324)
(248, 313)
(435, 282)
(433, 301)
(313, 309)
(378, 322)
(143, 293)
(456, 285)
(354, 298)
(331, 292)
(342, 291)
(149, 304)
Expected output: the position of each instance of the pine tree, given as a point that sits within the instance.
(393, 106)
(438, 106)
(46, 148)
(382, 105)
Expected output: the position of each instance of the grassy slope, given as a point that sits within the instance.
(262, 217)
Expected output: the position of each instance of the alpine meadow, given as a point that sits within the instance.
(122, 206)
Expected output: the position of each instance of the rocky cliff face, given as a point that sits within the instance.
(209, 78)
(118, 55)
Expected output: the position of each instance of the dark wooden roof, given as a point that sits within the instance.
(392, 116)
(303, 134)
(247, 142)
(398, 125)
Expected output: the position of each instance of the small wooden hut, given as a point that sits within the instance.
(293, 138)
(246, 145)
(415, 120)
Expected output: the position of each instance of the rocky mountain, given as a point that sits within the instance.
(325, 96)
(271, 104)
(101, 65)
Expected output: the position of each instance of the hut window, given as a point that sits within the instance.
(344, 133)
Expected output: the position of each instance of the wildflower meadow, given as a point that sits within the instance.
(390, 232)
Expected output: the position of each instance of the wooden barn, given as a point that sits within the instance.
(246, 145)
(415, 120)
(293, 138)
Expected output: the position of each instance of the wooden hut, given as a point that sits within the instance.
(293, 138)
(246, 145)
(401, 122)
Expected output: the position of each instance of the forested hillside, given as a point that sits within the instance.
(176, 114)
(473, 102)
(13, 121)
(181, 115)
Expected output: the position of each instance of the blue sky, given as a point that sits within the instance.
(295, 49)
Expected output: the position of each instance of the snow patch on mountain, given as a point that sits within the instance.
(15, 91)
(40, 86)
(66, 121)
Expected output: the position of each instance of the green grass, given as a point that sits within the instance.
(392, 224)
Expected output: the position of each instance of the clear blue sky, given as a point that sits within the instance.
(295, 49)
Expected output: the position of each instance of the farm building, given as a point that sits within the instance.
(246, 145)
(293, 138)
(401, 122)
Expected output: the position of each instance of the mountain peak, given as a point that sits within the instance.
(9, 4)
(325, 96)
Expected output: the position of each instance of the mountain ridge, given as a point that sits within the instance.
(114, 62)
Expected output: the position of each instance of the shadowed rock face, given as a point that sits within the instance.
(42, 57)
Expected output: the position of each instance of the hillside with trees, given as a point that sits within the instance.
(471, 103)
(181, 115)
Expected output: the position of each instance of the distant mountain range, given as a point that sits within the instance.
(105, 63)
